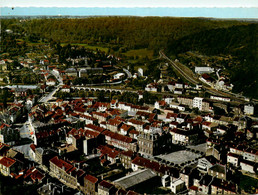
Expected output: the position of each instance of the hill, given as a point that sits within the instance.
(240, 42)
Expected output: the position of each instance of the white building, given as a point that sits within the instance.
(233, 159)
(197, 102)
(249, 109)
(119, 75)
(202, 70)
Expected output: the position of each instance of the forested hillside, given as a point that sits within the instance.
(127, 32)
(240, 42)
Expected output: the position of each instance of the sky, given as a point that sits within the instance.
(175, 8)
(129, 3)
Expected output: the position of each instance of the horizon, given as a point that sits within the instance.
(199, 12)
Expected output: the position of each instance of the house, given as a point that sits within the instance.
(177, 186)
(125, 129)
(139, 125)
(88, 119)
(7, 166)
(233, 159)
(209, 126)
(101, 116)
(222, 129)
(33, 175)
(177, 106)
(205, 163)
(251, 155)
(205, 184)
(219, 186)
(65, 172)
(248, 166)
(120, 141)
(218, 171)
(8, 135)
(249, 109)
(183, 137)
(106, 188)
(108, 155)
(114, 125)
(92, 140)
(151, 87)
(190, 176)
(160, 104)
(90, 185)
(126, 158)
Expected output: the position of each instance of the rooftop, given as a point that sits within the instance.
(135, 178)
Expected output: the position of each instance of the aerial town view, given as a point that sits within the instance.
(102, 103)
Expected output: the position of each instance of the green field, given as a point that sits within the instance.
(141, 53)
(105, 49)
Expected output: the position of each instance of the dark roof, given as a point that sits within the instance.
(218, 168)
(106, 184)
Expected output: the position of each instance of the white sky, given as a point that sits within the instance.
(129, 3)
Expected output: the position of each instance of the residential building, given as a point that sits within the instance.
(65, 172)
(106, 188)
(7, 166)
(249, 109)
(90, 185)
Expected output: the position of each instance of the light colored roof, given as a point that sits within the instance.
(135, 178)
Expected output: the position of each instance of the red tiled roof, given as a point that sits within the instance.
(118, 136)
(91, 178)
(134, 121)
(105, 115)
(91, 134)
(171, 115)
(61, 163)
(195, 188)
(126, 127)
(113, 122)
(127, 153)
(7, 162)
(95, 128)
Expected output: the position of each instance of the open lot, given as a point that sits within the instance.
(179, 157)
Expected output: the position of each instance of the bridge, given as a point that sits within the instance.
(85, 88)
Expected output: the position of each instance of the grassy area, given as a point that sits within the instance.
(105, 49)
(141, 53)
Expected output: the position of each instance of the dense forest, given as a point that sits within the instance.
(127, 32)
